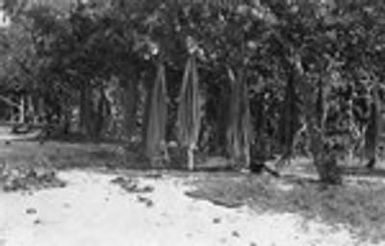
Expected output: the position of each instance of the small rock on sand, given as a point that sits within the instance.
(31, 211)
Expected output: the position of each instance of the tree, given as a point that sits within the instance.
(296, 63)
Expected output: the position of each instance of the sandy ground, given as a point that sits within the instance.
(91, 211)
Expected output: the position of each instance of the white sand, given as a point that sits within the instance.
(91, 211)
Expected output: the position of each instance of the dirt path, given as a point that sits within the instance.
(93, 211)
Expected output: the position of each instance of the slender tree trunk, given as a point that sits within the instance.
(290, 120)
(323, 156)
(102, 113)
(40, 109)
(222, 121)
(324, 160)
(66, 116)
(130, 100)
(30, 109)
(86, 119)
(259, 149)
(22, 110)
(373, 129)
(83, 108)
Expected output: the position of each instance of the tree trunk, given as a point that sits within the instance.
(87, 114)
(324, 160)
(22, 110)
(66, 116)
(40, 109)
(373, 129)
(289, 123)
(103, 111)
(83, 109)
(323, 157)
(29, 109)
(222, 121)
(259, 154)
(130, 99)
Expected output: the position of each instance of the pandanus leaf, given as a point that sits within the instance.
(157, 117)
(189, 110)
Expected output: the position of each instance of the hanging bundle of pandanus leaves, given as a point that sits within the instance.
(189, 111)
(239, 131)
(155, 143)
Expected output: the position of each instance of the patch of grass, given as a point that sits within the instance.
(61, 155)
(226, 190)
(358, 205)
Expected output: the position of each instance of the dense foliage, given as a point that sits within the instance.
(268, 71)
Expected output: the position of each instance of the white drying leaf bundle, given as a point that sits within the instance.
(157, 119)
(189, 110)
(239, 131)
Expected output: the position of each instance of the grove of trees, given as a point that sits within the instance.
(242, 79)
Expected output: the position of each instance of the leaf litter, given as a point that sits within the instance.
(28, 178)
